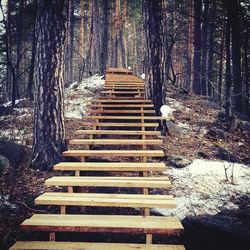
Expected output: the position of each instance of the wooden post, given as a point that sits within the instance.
(52, 236)
(63, 209)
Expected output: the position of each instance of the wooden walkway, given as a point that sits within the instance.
(121, 125)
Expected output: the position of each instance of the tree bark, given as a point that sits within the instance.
(105, 37)
(228, 92)
(154, 33)
(49, 130)
(204, 49)
(197, 47)
(210, 87)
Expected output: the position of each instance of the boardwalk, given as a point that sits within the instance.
(121, 125)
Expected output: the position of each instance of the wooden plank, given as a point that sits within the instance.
(110, 166)
(120, 111)
(45, 245)
(114, 142)
(122, 97)
(155, 118)
(103, 223)
(106, 200)
(120, 92)
(130, 153)
(143, 182)
(124, 87)
(118, 70)
(123, 106)
(116, 132)
(121, 101)
(118, 124)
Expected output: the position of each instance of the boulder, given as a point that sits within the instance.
(216, 133)
(4, 111)
(178, 161)
(15, 153)
(173, 128)
(227, 230)
(223, 154)
(209, 104)
(244, 126)
(4, 164)
(203, 155)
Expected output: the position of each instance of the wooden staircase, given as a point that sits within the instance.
(123, 120)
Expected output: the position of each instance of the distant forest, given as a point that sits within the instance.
(199, 46)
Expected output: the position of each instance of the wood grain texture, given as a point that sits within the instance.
(44, 245)
(110, 166)
(103, 223)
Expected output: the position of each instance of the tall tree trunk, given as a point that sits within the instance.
(68, 51)
(246, 67)
(49, 130)
(228, 86)
(221, 63)
(19, 52)
(153, 26)
(204, 49)
(105, 37)
(32, 62)
(190, 44)
(210, 87)
(197, 47)
(236, 53)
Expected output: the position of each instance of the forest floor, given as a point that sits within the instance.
(214, 173)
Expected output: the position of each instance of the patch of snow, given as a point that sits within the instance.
(8, 104)
(166, 111)
(201, 188)
(79, 94)
(175, 105)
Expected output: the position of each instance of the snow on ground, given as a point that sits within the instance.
(175, 105)
(78, 95)
(201, 188)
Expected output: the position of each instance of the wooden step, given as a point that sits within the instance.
(135, 92)
(103, 223)
(118, 71)
(106, 200)
(109, 181)
(114, 142)
(128, 84)
(110, 166)
(123, 80)
(121, 101)
(137, 97)
(123, 106)
(48, 245)
(101, 153)
(119, 87)
(155, 118)
(118, 124)
(116, 132)
(121, 111)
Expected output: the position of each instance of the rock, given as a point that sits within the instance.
(216, 133)
(4, 164)
(173, 128)
(24, 103)
(203, 155)
(7, 207)
(223, 154)
(15, 153)
(4, 111)
(244, 126)
(209, 104)
(178, 161)
(227, 230)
